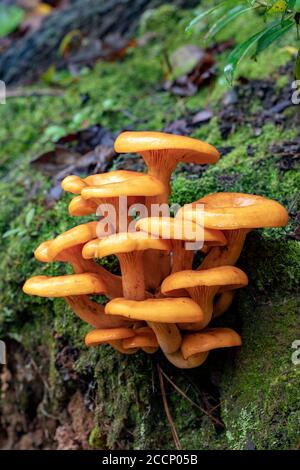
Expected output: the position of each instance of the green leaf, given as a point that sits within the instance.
(297, 66)
(203, 15)
(297, 5)
(271, 35)
(238, 53)
(10, 18)
(291, 4)
(14, 231)
(227, 18)
(29, 216)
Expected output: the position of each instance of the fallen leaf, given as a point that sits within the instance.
(184, 60)
(179, 127)
(189, 68)
(55, 160)
(85, 152)
(202, 116)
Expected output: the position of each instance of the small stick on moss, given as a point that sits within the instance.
(182, 393)
(167, 410)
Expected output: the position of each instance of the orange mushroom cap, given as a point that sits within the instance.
(142, 339)
(178, 148)
(112, 181)
(41, 252)
(75, 236)
(166, 310)
(64, 286)
(206, 340)
(100, 336)
(73, 184)
(175, 229)
(139, 185)
(80, 207)
(229, 211)
(227, 277)
(123, 243)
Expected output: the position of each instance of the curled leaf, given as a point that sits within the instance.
(297, 66)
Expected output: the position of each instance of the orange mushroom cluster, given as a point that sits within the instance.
(159, 301)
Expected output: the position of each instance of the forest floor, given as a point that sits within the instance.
(55, 392)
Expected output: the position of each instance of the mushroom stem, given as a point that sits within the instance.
(161, 168)
(182, 258)
(118, 346)
(178, 360)
(80, 265)
(93, 313)
(156, 268)
(132, 269)
(223, 302)
(204, 296)
(167, 335)
(226, 255)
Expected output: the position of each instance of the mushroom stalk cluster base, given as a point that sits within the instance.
(159, 301)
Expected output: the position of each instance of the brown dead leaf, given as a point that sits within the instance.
(54, 161)
(189, 68)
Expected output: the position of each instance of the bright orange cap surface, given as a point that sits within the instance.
(206, 340)
(100, 336)
(164, 310)
(141, 340)
(75, 236)
(177, 229)
(144, 185)
(79, 207)
(63, 286)
(41, 253)
(229, 211)
(229, 277)
(123, 243)
(179, 148)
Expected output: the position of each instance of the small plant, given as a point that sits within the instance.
(280, 17)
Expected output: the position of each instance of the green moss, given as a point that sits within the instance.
(160, 20)
(260, 394)
(96, 440)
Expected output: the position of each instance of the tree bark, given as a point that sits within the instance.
(26, 59)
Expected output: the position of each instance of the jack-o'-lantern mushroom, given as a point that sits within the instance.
(67, 247)
(112, 336)
(162, 152)
(204, 341)
(236, 214)
(202, 286)
(181, 233)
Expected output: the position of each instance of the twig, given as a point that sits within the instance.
(167, 410)
(167, 60)
(28, 93)
(181, 392)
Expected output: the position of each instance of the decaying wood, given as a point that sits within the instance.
(30, 56)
